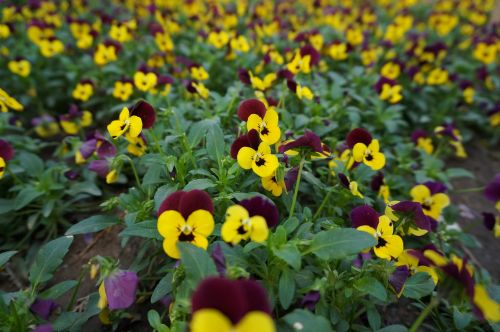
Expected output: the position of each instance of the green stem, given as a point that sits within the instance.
(467, 190)
(423, 315)
(75, 291)
(322, 205)
(297, 185)
(134, 170)
(157, 143)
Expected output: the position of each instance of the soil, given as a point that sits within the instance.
(484, 163)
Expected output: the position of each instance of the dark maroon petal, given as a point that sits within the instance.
(364, 215)
(398, 278)
(43, 328)
(311, 51)
(358, 135)
(492, 190)
(259, 206)
(43, 308)
(195, 200)
(251, 106)
(121, 288)
(88, 148)
(415, 210)
(448, 130)
(146, 112)
(244, 76)
(309, 139)
(418, 133)
(255, 295)
(221, 294)
(489, 220)
(172, 202)
(219, 259)
(100, 167)
(377, 181)
(435, 187)
(6, 150)
(106, 149)
(380, 83)
(310, 299)
(238, 144)
(291, 178)
(253, 139)
(344, 181)
(286, 74)
(292, 85)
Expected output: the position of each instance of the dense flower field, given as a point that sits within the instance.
(277, 166)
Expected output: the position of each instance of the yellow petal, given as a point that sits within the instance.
(202, 222)
(489, 307)
(200, 241)
(266, 166)
(253, 122)
(103, 300)
(170, 223)
(384, 226)
(374, 146)
(377, 161)
(271, 118)
(441, 200)
(394, 245)
(272, 135)
(420, 193)
(245, 157)
(170, 247)
(116, 128)
(264, 148)
(210, 320)
(135, 126)
(367, 229)
(255, 321)
(259, 231)
(124, 114)
(358, 152)
(430, 271)
(229, 232)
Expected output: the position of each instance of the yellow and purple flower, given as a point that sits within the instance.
(6, 154)
(432, 198)
(422, 141)
(118, 290)
(250, 219)
(224, 305)
(185, 216)
(365, 149)
(492, 191)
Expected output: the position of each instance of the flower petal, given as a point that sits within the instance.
(419, 193)
(269, 165)
(255, 319)
(358, 152)
(259, 231)
(202, 222)
(245, 157)
(169, 224)
(210, 320)
(135, 126)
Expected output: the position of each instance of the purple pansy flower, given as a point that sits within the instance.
(43, 308)
(364, 215)
(310, 299)
(121, 288)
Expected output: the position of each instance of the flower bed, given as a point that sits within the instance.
(270, 166)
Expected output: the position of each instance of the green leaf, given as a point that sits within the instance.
(71, 321)
(200, 184)
(374, 318)
(32, 164)
(6, 205)
(290, 254)
(340, 243)
(371, 286)
(215, 143)
(286, 288)
(48, 258)
(196, 261)
(418, 285)
(305, 321)
(393, 328)
(93, 224)
(26, 196)
(458, 173)
(59, 289)
(163, 288)
(146, 229)
(461, 319)
(5, 256)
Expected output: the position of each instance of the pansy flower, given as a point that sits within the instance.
(137, 146)
(494, 116)
(468, 91)
(379, 186)
(103, 169)
(185, 216)
(437, 76)
(300, 64)
(250, 139)
(492, 191)
(7, 102)
(338, 51)
(224, 305)
(415, 222)
(126, 123)
(50, 47)
(264, 83)
(163, 86)
(118, 290)
(485, 52)
(267, 125)
(309, 141)
(391, 70)
(389, 90)
(272, 184)
(145, 79)
(261, 161)
(364, 218)
(83, 90)
(20, 66)
(106, 52)
(123, 89)
(300, 91)
(240, 44)
(432, 198)
(365, 149)
(45, 126)
(75, 120)
(422, 141)
(449, 130)
(198, 73)
(6, 154)
(352, 186)
(218, 39)
(247, 220)
(492, 223)
(97, 143)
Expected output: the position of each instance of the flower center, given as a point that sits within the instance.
(368, 155)
(381, 242)
(427, 203)
(263, 128)
(259, 161)
(186, 233)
